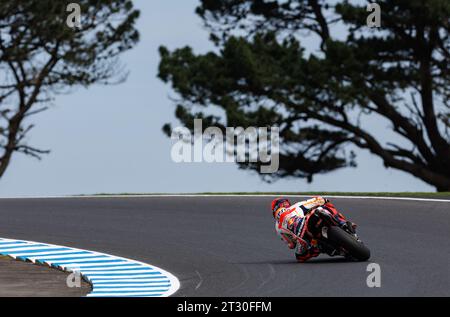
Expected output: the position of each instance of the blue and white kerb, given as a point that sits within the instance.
(109, 275)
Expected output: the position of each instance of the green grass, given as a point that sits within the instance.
(371, 194)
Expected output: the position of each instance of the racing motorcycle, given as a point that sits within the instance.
(335, 237)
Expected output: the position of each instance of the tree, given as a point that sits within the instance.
(40, 55)
(261, 74)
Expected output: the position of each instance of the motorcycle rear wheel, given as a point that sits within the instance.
(355, 248)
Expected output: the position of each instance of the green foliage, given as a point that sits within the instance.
(40, 56)
(261, 75)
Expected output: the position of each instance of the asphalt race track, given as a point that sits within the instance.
(226, 246)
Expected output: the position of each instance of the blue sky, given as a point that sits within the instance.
(109, 139)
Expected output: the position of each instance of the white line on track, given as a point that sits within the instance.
(228, 195)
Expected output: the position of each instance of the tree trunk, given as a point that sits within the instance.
(13, 129)
(443, 189)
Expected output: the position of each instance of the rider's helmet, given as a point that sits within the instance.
(278, 203)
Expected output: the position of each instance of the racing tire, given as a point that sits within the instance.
(355, 249)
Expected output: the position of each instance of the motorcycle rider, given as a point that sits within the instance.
(291, 227)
